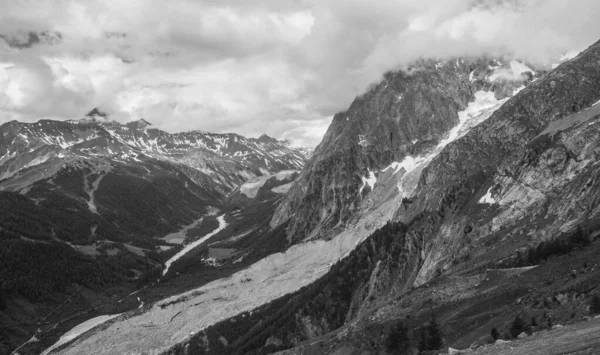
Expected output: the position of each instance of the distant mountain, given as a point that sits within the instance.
(229, 159)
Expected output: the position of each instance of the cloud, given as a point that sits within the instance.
(281, 67)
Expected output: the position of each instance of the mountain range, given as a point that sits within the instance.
(461, 192)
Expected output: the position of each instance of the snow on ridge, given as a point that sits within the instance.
(408, 164)
(476, 112)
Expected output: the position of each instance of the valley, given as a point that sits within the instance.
(451, 207)
(113, 215)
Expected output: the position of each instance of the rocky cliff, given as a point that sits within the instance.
(408, 114)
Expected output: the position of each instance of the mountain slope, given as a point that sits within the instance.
(513, 191)
(410, 113)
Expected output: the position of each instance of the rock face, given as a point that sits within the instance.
(407, 114)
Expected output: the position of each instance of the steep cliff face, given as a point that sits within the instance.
(408, 114)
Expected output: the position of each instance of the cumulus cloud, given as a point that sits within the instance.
(281, 67)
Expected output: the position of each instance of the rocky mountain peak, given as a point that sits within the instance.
(264, 138)
(95, 113)
(412, 112)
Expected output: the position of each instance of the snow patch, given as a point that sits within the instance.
(408, 164)
(517, 90)
(282, 189)
(370, 180)
(476, 112)
(487, 198)
(362, 141)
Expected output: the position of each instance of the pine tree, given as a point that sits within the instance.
(518, 326)
(398, 341)
(595, 304)
(434, 335)
(423, 341)
(495, 334)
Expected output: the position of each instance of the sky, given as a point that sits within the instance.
(280, 67)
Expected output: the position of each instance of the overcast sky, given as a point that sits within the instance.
(281, 67)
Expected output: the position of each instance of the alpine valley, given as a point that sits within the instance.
(453, 195)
